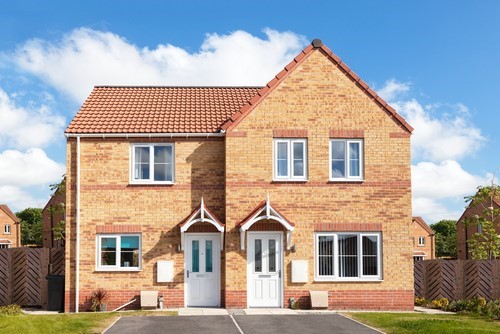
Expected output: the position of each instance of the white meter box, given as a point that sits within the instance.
(165, 271)
(300, 271)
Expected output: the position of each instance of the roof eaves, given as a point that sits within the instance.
(424, 225)
(11, 214)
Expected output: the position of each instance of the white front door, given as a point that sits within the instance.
(264, 269)
(202, 269)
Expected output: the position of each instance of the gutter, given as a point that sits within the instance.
(77, 252)
(147, 135)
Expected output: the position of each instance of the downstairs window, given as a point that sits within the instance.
(119, 252)
(347, 256)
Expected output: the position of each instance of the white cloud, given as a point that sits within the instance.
(433, 210)
(29, 168)
(86, 57)
(18, 199)
(25, 127)
(393, 89)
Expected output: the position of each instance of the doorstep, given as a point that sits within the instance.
(186, 311)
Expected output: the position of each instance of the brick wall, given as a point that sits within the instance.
(107, 199)
(14, 237)
(51, 216)
(319, 98)
(429, 246)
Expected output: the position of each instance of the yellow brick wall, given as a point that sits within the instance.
(107, 198)
(14, 237)
(317, 97)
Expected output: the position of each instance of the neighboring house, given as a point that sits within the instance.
(242, 196)
(10, 228)
(52, 214)
(424, 240)
(465, 233)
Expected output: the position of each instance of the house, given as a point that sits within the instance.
(464, 233)
(242, 196)
(53, 214)
(424, 241)
(10, 228)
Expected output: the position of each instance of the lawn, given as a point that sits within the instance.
(406, 323)
(65, 323)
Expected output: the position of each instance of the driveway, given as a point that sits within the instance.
(239, 324)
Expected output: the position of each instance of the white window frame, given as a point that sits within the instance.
(151, 163)
(289, 176)
(421, 240)
(418, 257)
(7, 229)
(346, 160)
(117, 267)
(335, 277)
(4, 246)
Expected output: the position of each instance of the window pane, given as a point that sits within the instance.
(282, 159)
(129, 253)
(141, 166)
(370, 264)
(108, 251)
(348, 255)
(354, 161)
(208, 256)
(195, 257)
(298, 159)
(258, 255)
(272, 255)
(325, 255)
(338, 159)
(163, 163)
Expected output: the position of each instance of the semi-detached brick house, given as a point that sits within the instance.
(233, 187)
(10, 228)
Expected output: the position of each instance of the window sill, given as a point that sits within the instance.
(151, 183)
(346, 180)
(290, 180)
(348, 280)
(118, 270)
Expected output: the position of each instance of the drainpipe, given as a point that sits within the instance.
(77, 252)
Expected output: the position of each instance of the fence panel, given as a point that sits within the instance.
(457, 279)
(23, 274)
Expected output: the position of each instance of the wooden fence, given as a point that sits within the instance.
(457, 279)
(23, 274)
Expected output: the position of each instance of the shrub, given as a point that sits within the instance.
(441, 303)
(457, 306)
(98, 298)
(11, 309)
(421, 301)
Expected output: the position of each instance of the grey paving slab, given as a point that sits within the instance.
(303, 324)
(186, 324)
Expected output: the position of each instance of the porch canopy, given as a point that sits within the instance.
(201, 214)
(265, 211)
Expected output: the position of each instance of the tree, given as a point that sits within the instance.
(446, 238)
(31, 226)
(485, 245)
(60, 228)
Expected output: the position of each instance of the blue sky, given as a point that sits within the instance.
(437, 62)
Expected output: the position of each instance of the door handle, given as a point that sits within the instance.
(279, 273)
(188, 274)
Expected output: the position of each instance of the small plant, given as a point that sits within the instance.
(421, 301)
(440, 303)
(98, 299)
(11, 309)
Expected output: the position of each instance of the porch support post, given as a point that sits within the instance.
(288, 240)
(242, 239)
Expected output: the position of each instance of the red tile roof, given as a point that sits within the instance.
(193, 109)
(9, 213)
(159, 109)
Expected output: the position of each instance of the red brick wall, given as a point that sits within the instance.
(15, 236)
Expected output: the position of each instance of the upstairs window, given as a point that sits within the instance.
(421, 241)
(290, 159)
(6, 229)
(152, 163)
(346, 159)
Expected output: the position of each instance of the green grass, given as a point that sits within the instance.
(65, 323)
(406, 323)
